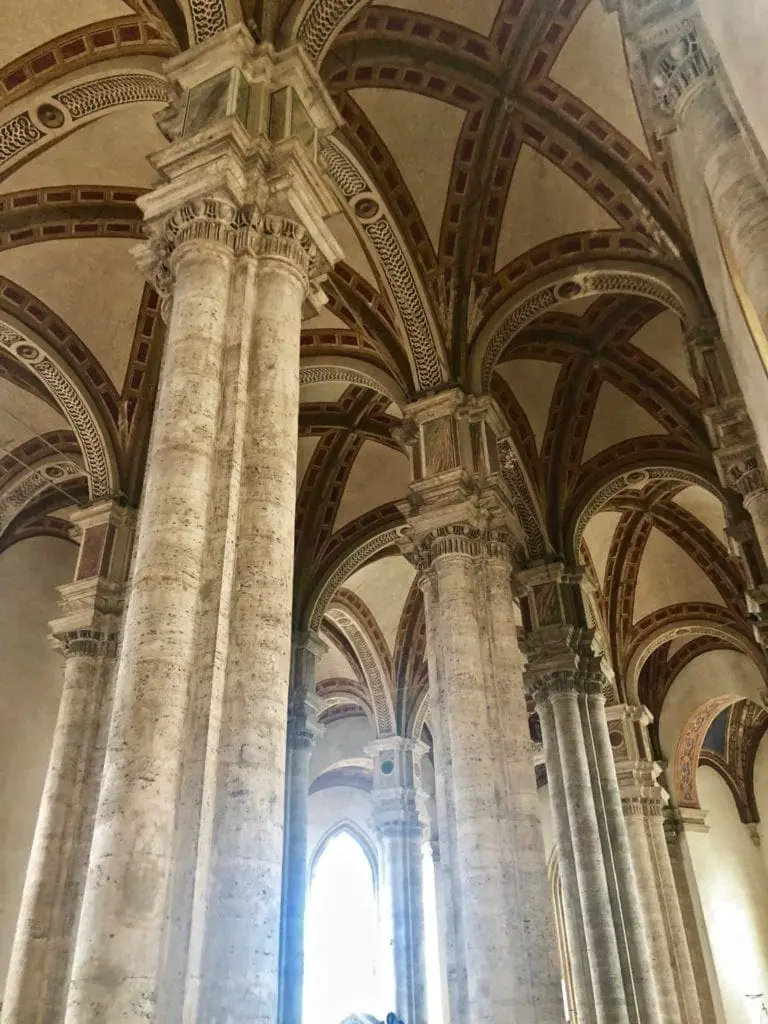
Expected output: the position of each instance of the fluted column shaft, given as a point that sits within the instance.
(460, 534)
(643, 801)
(87, 636)
(645, 824)
(181, 912)
(121, 935)
(501, 911)
(574, 917)
(302, 732)
(399, 820)
(243, 916)
(578, 817)
(295, 882)
(636, 923)
(453, 976)
(40, 958)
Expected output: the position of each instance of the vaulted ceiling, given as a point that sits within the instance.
(509, 222)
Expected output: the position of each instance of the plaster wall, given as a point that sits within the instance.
(714, 674)
(342, 739)
(30, 682)
(730, 873)
(760, 782)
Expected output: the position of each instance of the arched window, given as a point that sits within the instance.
(342, 930)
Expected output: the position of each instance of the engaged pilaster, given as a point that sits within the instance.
(400, 821)
(87, 635)
(679, 824)
(303, 731)
(461, 533)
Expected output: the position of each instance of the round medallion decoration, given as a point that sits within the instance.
(617, 738)
(366, 208)
(569, 290)
(50, 116)
(27, 352)
(387, 767)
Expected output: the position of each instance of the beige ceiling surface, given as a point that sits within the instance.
(333, 664)
(662, 339)
(544, 203)
(26, 26)
(532, 382)
(475, 14)
(322, 391)
(706, 507)
(617, 418)
(421, 134)
(22, 415)
(110, 151)
(592, 67)
(667, 576)
(351, 247)
(93, 284)
(379, 475)
(307, 447)
(384, 586)
(598, 535)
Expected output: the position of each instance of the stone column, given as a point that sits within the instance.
(87, 637)
(302, 733)
(461, 532)
(650, 965)
(644, 801)
(592, 928)
(565, 678)
(242, 200)
(399, 819)
(681, 72)
(583, 996)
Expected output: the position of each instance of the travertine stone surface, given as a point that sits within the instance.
(682, 76)
(644, 800)
(121, 936)
(400, 822)
(181, 915)
(87, 637)
(609, 999)
(302, 732)
(574, 918)
(566, 681)
(646, 968)
(460, 532)
(240, 961)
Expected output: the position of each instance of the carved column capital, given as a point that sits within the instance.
(460, 539)
(550, 685)
(86, 643)
(680, 65)
(284, 239)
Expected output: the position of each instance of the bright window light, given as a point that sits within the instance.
(340, 935)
